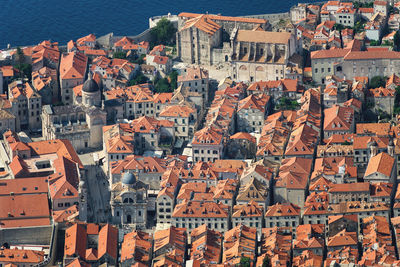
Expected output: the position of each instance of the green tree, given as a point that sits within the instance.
(20, 57)
(377, 81)
(162, 85)
(25, 70)
(119, 54)
(287, 104)
(396, 41)
(244, 262)
(338, 27)
(359, 26)
(163, 33)
(374, 43)
(266, 261)
(140, 78)
(173, 79)
(138, 59)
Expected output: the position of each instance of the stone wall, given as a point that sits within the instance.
(40, 235)
(271, 17)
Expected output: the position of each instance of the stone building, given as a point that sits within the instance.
(208, 144)
(283, 215)
(7, 121)
(251, 113)
(250, 214)
(81, 124)
(184, 118)
(205, 39)
(241, 145)
(197, 80)
(26, 105)
(129, 202)
(192, 214)
(352, 61)
(260, 55)
(72, 73)
(165, 205)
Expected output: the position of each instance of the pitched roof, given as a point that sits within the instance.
(263, 37)
(199, 209)
(173, 237)
(353, 187)
(207, 136)
(24, 210)
(224, 18)
(179, 111)
(203, 23)
(338, 118)
(21, 256)
(284, 209)
(382, 163)
(73, 66)
(108, 241)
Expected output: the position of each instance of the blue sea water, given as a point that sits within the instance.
(26, 22)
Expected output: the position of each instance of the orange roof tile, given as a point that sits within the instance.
(24, 210)
(284, 209)
(382, 163)
(73, 66)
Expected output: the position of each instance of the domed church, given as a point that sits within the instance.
(80, 123)
(129, 202)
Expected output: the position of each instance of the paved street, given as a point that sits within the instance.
(98, 193)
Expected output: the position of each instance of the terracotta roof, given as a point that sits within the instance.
(251, 209)
(382, 92)
(224, 18)
(73, 66)
(8, 71)
(21, 256)
(24, 186)
(193, 74)
(67, 215)
(338, 118)
(174, 238)
(198, 209)
(263, 37)
(179, 111)
(88, 38)
(382, 163)
(243, 136)
(207, 136)
(302, 141)
(206, 245)
(284, 209)
(363, 142)
(203, 23)
(254, 102)
(320, 184)
(24, 210)
(139, 163)
(352, 187)
(307, 258)
(137, 246)
(120, 144)
(75, 241)
(240, 241)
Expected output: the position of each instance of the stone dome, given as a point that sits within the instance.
(90, 86)
(128, 178)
